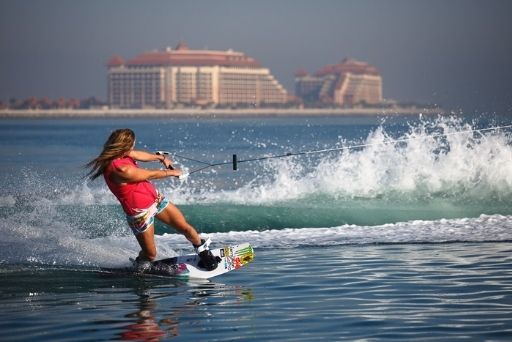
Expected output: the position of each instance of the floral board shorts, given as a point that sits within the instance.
(146, 217)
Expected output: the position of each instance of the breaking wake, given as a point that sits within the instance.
(438, 181)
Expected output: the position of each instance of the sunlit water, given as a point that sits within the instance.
(396, 240)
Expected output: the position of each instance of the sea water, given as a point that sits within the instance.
(400, 231)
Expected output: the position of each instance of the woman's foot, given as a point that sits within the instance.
(208, 260)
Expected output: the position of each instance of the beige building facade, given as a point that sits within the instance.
(180, 76)
(347, 84)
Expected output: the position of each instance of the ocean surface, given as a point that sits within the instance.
(374, 228)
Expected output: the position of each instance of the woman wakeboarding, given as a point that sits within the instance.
(140, 200)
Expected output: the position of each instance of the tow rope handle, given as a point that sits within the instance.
(164, 153)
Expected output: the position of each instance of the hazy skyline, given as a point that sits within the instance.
(455, 53)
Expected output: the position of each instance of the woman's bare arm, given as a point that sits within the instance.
(144, 156)
(131, 174)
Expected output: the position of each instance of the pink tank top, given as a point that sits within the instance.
(132, 196)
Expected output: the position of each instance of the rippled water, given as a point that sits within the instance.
(407, 238)
(440, 292)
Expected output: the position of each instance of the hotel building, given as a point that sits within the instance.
(180, 76)
(346, 84)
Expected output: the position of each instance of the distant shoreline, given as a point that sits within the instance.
(211, 113)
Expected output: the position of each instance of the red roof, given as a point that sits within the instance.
(115, 61)
(348, 65)
(182, 46)
(301, 73)
(183, 56)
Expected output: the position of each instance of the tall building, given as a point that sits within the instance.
(180, 76)
(346, 84)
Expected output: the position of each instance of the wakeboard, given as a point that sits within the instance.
(189, 266)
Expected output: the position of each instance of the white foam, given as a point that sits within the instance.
(7, 201)
(462, 165)
(483, 228)
(56, 243)
(459, 164)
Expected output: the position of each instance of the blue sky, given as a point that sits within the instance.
(456, 53)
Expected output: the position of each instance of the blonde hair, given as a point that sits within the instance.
(117, 144)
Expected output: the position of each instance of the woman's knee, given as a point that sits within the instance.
(173, 217)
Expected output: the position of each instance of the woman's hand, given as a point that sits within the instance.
(167, 163)
(131, 174)
(174, 172)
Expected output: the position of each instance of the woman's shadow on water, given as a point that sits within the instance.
(147, 308)
(161, 305)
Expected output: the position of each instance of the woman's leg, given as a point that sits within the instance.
(147, 243)
(172, 216)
